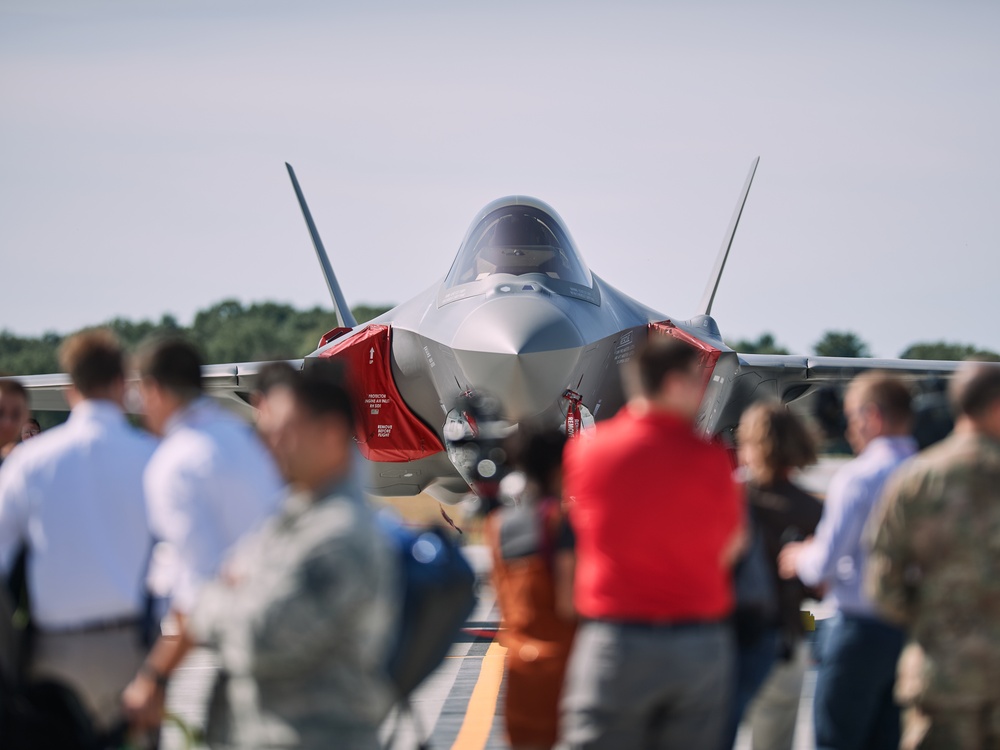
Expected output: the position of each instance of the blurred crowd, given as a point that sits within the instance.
(652, 597)
(258, 541)
(651, 581)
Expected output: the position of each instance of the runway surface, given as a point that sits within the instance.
(458, 708)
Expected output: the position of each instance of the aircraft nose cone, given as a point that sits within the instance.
(517, 324)
(523, 350)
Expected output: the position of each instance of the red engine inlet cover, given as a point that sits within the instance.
(387, 430)
(709, 353)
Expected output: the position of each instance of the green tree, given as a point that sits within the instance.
(365, 312)
(764, 344)
(948, 351)
(28, 356)
(841, 344)
(228, 331)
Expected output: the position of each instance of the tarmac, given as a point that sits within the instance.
(459, 707)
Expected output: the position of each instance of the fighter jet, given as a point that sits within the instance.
(520, 315)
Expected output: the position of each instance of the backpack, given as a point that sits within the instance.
(438, 594)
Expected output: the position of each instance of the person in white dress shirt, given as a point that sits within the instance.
(74, 498)
(210, 482)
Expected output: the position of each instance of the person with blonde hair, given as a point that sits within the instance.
(773, 443)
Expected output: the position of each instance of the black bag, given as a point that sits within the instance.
(756, 592)
(438, 596)
(37, 715)
(46, 715)
(22, 626)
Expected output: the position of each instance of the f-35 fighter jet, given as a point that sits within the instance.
(520, 315)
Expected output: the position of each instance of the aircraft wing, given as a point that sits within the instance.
(229, 383)
(799, 380)
(805, 368)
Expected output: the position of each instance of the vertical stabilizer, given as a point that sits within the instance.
(344, 316)
(705, 307)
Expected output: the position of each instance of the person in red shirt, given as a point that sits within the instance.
(658, 519)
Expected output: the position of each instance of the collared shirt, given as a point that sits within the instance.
(75, 495)
(210, 482)
(302, 624)
(653, 506)
(837, 556)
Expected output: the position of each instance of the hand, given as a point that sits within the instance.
(736, 547)
(788, 559)
(143, 702)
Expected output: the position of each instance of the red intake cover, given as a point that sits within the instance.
(387, 429)
(709, 354)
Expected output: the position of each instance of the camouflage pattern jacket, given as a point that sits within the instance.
(935, 569)
(301, 619)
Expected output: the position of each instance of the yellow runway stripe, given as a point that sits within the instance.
(482, 708)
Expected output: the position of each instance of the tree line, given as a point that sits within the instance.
(230, 331)
(849, 344)
(226, 332)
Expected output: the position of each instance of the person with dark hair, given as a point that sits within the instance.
(13, 414)
(30, 429)
(935, 570)
(533, 562)
(658, 519)
(72, 502)
(854, 706)
(210, 482)
(773, 443)
(303, 614)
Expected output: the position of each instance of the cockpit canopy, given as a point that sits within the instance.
(519, 236)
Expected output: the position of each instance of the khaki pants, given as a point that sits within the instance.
(774, 711)
(96, 664)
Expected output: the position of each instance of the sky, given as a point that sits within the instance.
(142, 150)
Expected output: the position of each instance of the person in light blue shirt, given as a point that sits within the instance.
(854, 706)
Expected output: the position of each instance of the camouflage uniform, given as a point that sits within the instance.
(301, 621)
(935, 568)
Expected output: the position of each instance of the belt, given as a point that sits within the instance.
(661, 625)
(94, 626)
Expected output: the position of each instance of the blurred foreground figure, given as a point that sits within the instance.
(774, 442)
(854, 706)
(657, 517)
(305, 609)
(13, 414)
(72, 500)
(935, 569)
(30, 429)
(210, 482)
(533, 563)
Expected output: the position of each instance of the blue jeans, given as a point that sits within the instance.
(753, 664)
(854, 707)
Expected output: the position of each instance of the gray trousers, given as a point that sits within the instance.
(647, 687)
(96, 664)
